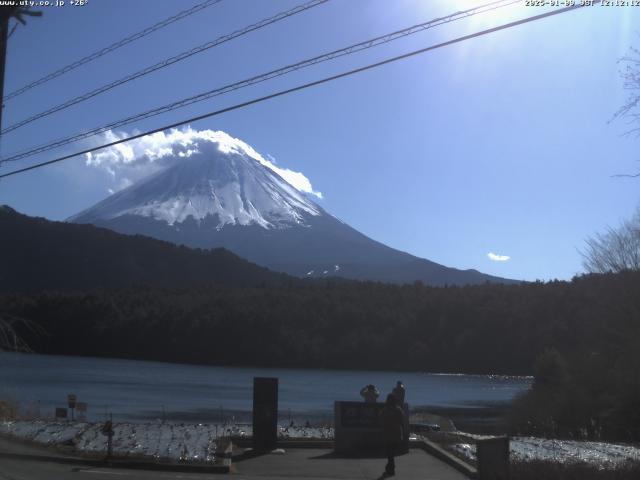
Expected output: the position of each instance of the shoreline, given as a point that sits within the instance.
(486, 419)
(512, 375)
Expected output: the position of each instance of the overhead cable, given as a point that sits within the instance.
(166, 63)
(304, 86)
(112, 47)
(374, 42)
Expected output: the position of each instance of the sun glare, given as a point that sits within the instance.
(485, 14)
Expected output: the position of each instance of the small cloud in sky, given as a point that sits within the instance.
(497, 258)
(130, 161)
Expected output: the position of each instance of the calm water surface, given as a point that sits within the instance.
(138, 390)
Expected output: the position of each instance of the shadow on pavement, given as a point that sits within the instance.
(354, 455)
(248, 455)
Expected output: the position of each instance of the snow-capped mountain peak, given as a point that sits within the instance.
(214, 176)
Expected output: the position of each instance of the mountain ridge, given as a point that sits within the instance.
(40, 254)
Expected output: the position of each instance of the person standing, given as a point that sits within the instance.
(393, 427)
(399, 393)
(370, 393)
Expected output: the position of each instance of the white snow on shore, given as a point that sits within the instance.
(169, 441)
(598, 453)
(159, 440)
(606, 455)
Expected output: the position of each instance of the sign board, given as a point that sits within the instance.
(359, 414)
(81, 407)
(358, 427)
(61, 412)
(265, 413)
(493, 458)
(71, 400)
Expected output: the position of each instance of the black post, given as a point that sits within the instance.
(265, 413)
(110, 438)
(493, 458)
(107, 430)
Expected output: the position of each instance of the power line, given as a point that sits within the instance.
(112, 47)
(165, 63)
(266, 76)
(305, 86)
(374, 42)
(15, 25)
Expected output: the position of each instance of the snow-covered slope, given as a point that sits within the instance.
(231, 185)
(219, 192)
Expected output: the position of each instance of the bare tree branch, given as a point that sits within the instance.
(630, 75)
(615, 250)
(10, 339)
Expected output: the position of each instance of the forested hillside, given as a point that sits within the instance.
(37, 254)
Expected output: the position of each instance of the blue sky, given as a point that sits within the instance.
(500, 144)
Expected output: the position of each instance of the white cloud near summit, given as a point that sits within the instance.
(128, 162)
(498, 258)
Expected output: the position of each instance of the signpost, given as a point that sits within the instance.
(107, 429)
(359, 414)
(358, 427)
(71, 401)
(81, 407)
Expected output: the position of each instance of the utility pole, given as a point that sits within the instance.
(4, 36)
(6, 13)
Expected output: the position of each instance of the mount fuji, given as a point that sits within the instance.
(211, 190)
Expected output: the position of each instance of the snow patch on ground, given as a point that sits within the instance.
(167, 441)
(170, 441)
(606, 455)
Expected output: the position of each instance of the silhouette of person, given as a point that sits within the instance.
(392, 418)
(370, 393)
(399, 393)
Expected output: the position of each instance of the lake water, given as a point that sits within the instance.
(140, 391)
